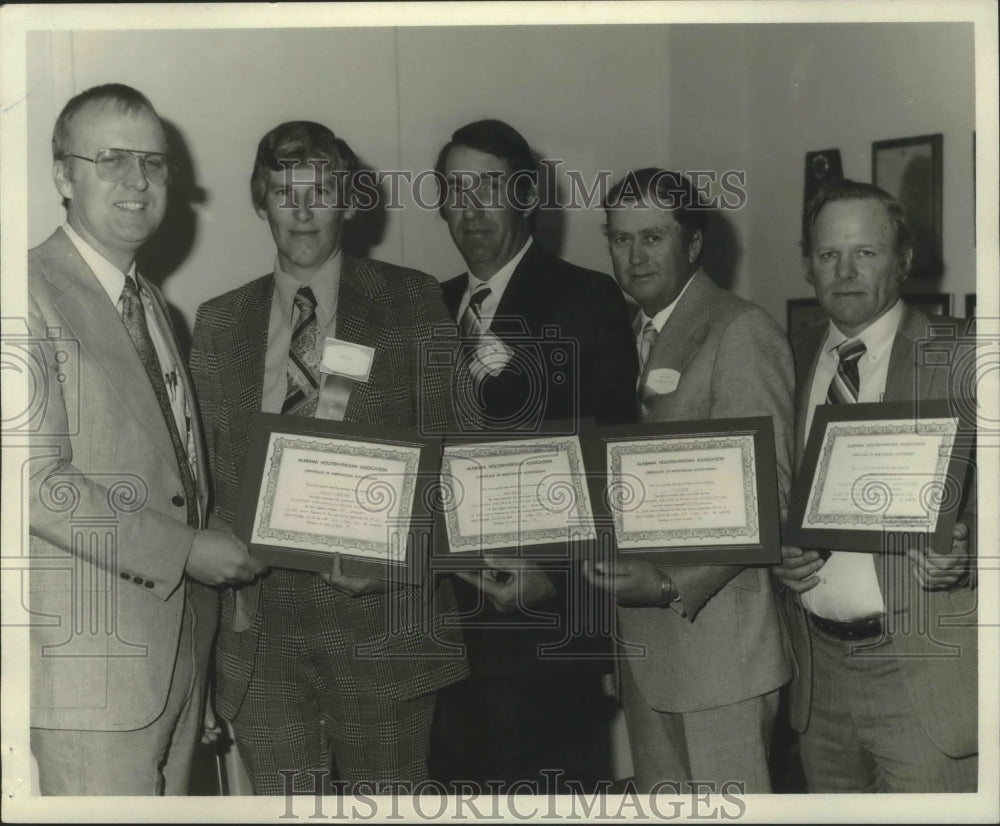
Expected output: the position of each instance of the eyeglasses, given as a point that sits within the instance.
(113, 165)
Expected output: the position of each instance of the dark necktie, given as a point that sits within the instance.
(846, 384)
(303, 360)
(472, 320)
(134, 318)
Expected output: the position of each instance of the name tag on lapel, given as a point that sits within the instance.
(493, 354)
(661, 381)
(345, 358)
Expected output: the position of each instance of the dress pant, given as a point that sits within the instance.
(716, 745)
(864, 734)
(306, 719)
(153, 760)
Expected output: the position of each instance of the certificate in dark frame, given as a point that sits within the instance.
(766, 550)
(419, 535)
(881, 539)
(558, 552)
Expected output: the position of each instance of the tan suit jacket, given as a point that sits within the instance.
(932, 632)
(109, 537)
(733, 361)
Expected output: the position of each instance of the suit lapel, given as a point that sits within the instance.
(453, 290)
(87, 309)
(519, 306)
(363, 318)
(245, 354)
(163, 320)
(901, 382)
(806, 358)
(684, 332)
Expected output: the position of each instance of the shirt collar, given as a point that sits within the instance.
(108, 275)
(661, 317)
(325, 286)
(877, 336)
(501, 278)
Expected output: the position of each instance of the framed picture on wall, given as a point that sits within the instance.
(930, 303)
(910, 169)
(970, 305)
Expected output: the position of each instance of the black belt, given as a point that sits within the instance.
(864, 629)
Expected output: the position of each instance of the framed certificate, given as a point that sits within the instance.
(512, 496)
(702, 492)
(316, 487)
(880, 477)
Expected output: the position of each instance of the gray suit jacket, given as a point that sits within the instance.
(733, 361)
(932, 632)
(108, 540)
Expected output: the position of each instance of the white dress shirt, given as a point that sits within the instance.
(325, 286)
(497, 283)
(112, 280)
(849, 588)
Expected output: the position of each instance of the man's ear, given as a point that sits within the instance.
(905, 265)
(61, 175)
(807, 267)
(694, 246)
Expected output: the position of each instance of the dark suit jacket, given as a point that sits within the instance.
(731, 361)
(932, 632)
(108, 540)
(550, 308)
(392, 310)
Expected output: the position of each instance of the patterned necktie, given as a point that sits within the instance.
(646, 344)
(303, 360)
(134, 318)
(472, 320)
(846, 384)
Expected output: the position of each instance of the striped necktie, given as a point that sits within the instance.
(472, 320)
(303, 360)
(134, 318)
(646, 344)
(846, 384)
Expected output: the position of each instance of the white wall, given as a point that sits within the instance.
(753, 97)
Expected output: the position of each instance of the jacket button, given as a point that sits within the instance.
(137, 580)
(126, 575)
(148, 584)
(178, 500)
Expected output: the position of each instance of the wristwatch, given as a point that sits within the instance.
(668, 591)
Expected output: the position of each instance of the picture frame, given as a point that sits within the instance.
(930, 303)
(318, 487)
(970, 305)
(698, 492)
(538, 495)
(910, 169)
(880, 478)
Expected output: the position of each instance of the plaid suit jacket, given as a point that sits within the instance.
(392, 310)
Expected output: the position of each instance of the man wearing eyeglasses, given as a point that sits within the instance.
(120, 549)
